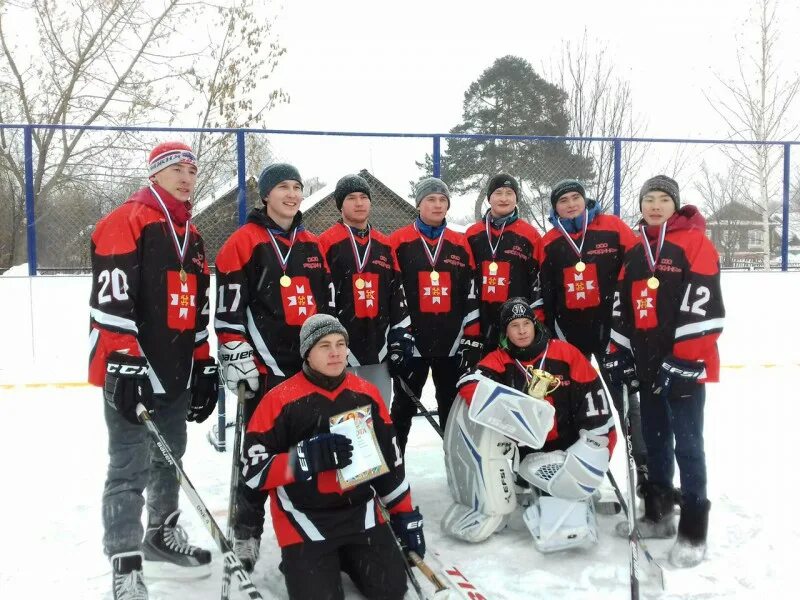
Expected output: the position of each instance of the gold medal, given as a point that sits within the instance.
(653, 283)
(286, 281)
(492, 268)
(182, 275)
(360, 283)
(580, 266)
(434, 276)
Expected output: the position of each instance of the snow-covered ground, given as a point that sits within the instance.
(53, 448)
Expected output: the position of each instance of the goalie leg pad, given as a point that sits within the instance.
(477, 460)
(468, 524)
(558, 524)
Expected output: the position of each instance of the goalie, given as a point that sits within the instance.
(559, 444)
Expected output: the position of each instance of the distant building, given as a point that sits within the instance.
(738, 234)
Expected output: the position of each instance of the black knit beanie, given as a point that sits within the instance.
(350, 184)
(565, 186)
(661, 183)
(274, 174)
(502, 180)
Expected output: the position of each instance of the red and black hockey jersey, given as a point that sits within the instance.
(260, 301)
(577, 305)
(685, 314)
(441, 298)
(368, 289)
(580, 401)
(508, 267)
(319, 509)
(139, 303)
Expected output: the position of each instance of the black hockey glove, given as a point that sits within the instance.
(678, 373)
(470, 352)
(408, 529)
(620, 369)
(401, 349)
(126, 385)
(322, 452)
(204, 390)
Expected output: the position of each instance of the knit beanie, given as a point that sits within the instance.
(502, 180)
(317, 327)
(350, 184)
(565, 186)
(274, 174)
(515, 308)
(169, 153)
(661, 183)
(431, 185)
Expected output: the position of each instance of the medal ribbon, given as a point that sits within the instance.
(489, 237)
(432, 258)
(180, 249)
(575, 248)
(281, 259)
(528, 376)
(360, 262)
(648, 251)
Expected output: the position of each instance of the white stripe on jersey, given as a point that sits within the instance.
(302, 520)
(395, 493)
(113, 321)
(620, 339)
(200, 336)
(559, 333)
(701, 327)
(220, 324)
(93, 337)
(261, 347)
(369, 517)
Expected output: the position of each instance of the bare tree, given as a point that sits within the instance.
(757, 106)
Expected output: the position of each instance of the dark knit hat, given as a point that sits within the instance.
(317, 327)
(565, 186)
(661, 183)
(502, 180)
(431, 185)
(515, 308)
(274, 174)
(350, 184)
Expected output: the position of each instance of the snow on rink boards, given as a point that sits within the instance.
(54, 460)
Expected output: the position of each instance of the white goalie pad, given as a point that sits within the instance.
(515, 414)
(479, 475)
(558, 524)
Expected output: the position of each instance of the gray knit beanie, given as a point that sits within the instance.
(317, 327)
(274, 174)
(431, 185)
(661, 183)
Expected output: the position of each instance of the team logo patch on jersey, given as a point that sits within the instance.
(365, 295)
(298, 301)
(495, 280)
(434, 294)
(581, 290)
(643, 301)
(181, 301)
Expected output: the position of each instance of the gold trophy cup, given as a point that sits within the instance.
(541, 383)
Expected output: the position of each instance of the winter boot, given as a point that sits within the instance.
(169, 554)
(659, 513)
(247, 550)
(641, 475)
(126, 572)
(690, 547)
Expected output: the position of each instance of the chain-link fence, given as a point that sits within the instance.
(50, 202)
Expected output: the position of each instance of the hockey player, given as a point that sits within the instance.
(565, 446)
(506, 251)
(370, 302)
(149, 344)
(667, 318)
(581, 259)
(271, 277)
(438, 273)
(290, 453)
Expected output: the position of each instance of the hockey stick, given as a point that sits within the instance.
(409, 572)
(633, 530)
(418, 403)
(230, 560)
(235, 472)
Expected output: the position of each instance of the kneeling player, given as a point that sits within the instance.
(289, 451)
(560, 444)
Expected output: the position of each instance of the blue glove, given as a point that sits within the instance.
(322, 452)
(677, 372)
(401, 349)
(204, 390)
(620, 369)
(408, 529)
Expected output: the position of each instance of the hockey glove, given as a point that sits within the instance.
(678, 373)
(322, 452)
(401, 349)
(236, 359)
(470, 352)
(620, 369)
(407, 527)
(127, 384)
(204, 390)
